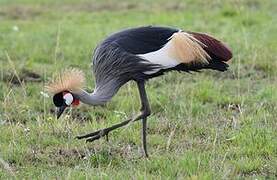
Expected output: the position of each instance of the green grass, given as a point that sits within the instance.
(208, 125)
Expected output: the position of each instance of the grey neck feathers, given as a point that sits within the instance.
(93, 99)
(102, 93)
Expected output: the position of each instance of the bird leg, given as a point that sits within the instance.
(144, 143)
(145, 111)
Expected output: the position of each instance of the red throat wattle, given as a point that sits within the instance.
(76, 102)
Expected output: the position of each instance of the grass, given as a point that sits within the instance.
(208, 125)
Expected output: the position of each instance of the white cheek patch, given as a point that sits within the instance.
(68, 99)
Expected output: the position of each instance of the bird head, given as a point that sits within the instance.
(63, 100)
(63, 86)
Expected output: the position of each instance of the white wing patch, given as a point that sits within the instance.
(181, 48)
(161, 57)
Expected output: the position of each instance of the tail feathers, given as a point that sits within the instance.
(214, 65)
(217, 65)
(217, 50)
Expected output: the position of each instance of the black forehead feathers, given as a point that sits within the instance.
(58, 99)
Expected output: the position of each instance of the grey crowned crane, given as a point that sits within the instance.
(137, 54)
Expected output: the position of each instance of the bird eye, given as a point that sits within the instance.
(68, 99)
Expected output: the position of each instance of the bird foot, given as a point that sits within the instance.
(103, 132)
(95, 135)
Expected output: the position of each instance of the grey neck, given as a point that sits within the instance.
(103, 92)
(93, 99)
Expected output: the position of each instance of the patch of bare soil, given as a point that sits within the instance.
(20, 12)
(175, 6)
(81, 115)
(253, 4)
(232, 107)
(23, 76)
(96, 7)
(70, 153)
(62, 156)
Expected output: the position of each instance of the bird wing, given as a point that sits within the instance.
(142, 40)
(169, 47)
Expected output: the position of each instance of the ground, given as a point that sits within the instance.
(207, 125)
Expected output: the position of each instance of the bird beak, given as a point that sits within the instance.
(60, 111)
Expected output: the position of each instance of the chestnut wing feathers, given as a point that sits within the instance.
(215, 48)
